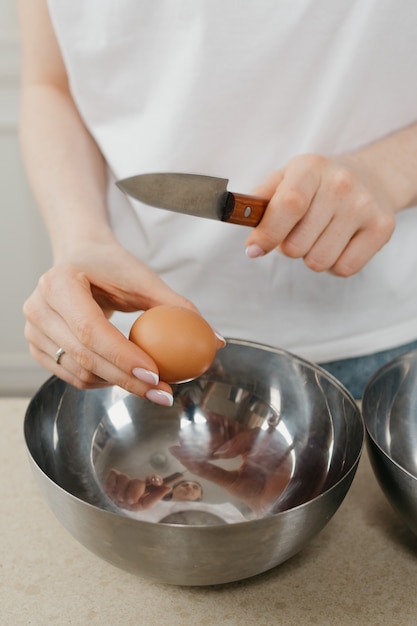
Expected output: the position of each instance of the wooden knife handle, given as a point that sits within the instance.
(244, 210)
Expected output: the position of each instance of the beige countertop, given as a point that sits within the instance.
(361, 569)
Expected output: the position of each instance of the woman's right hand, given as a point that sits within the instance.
(70, 309)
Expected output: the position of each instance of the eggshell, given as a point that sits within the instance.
(181, 342)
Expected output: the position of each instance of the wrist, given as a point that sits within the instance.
(74, 243)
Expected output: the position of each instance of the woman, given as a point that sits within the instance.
(311, 105)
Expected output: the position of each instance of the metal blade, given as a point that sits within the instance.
(202, 196)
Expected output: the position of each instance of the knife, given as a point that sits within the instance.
(192, 194)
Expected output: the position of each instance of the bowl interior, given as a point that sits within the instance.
(261, 432)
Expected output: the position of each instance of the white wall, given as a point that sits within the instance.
(24, 248)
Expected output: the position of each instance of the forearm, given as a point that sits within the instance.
(392, 161)
(65, 168)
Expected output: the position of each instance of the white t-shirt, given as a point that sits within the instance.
(234, 88)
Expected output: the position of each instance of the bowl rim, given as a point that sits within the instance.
(312, 364)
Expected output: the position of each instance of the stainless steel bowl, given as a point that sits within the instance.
(390, 412)
(273, 440)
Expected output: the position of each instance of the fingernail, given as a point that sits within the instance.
(253, 251)
(159, 397)
(146, 376)
(155, 480)
(220, 338)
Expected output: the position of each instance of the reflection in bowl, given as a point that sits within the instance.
(241, 473)
(390, 414)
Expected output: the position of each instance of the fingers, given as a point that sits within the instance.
(220, 428)
(150, 497)
(360, 250)
(324, 212)
(241, 444)
(134, 490)
(154, 480)
(187, 456)
(70, 309)
(82, 365)
(134, 493)
(61, 313)
(116, 484)
(288, 204)
(43, 346)
(67, 311)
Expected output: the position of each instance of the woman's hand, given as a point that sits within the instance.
(263, 459)
(70, 309)
(135, 494)
(334, 213)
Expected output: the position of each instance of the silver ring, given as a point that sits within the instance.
(58, 355)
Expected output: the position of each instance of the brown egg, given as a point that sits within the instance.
(180, 341)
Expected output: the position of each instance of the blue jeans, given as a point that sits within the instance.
(355, 373)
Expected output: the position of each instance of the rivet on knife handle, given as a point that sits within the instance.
(244, 210)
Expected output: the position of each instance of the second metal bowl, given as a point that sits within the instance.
(389, 409)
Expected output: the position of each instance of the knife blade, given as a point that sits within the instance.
(193, 194)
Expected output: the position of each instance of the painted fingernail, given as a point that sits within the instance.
(146, 376)
(253, 251)
(155, 480)
(157, 396)
(220, 338)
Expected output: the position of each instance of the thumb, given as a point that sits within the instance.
(268, 186)
(152, 291)
(161, 294)
(266, 189)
